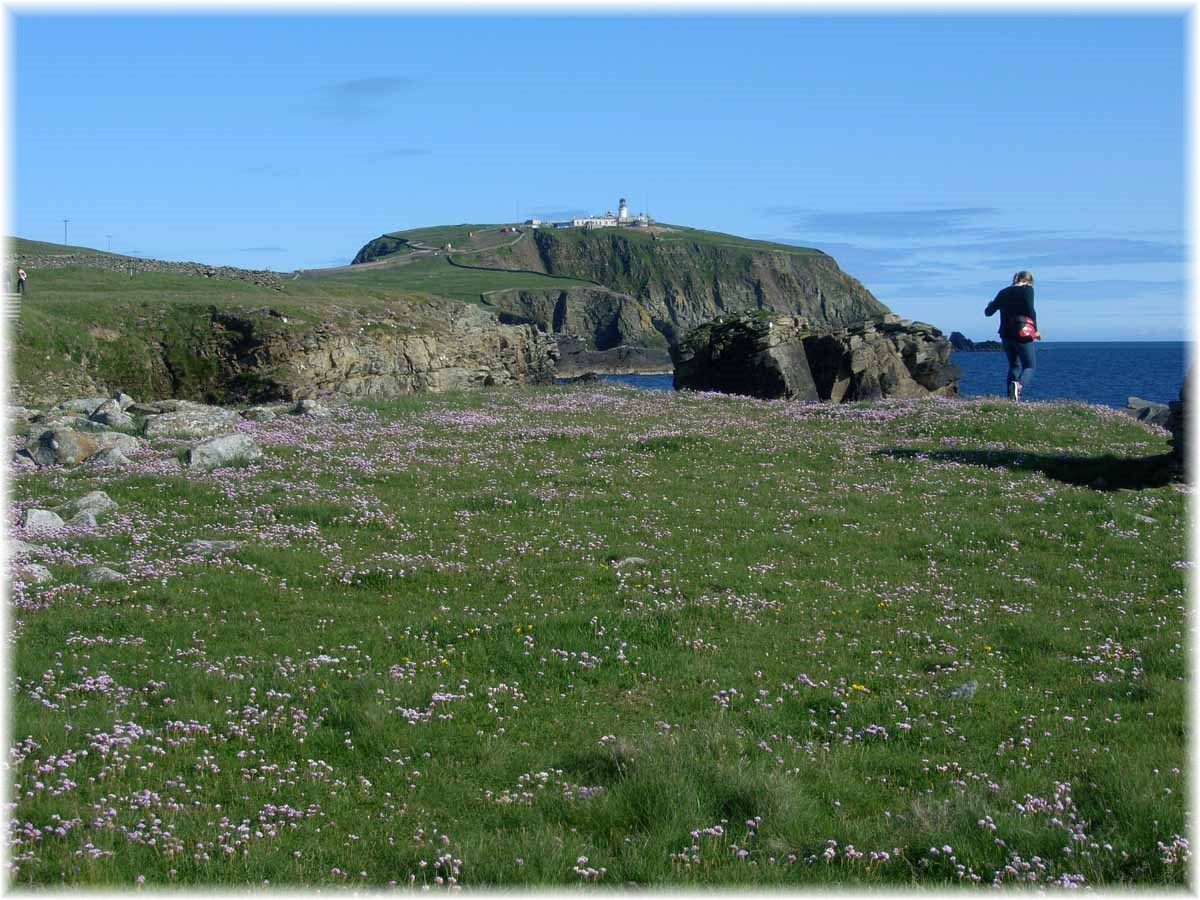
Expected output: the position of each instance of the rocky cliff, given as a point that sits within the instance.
(656, 284)
(789, 357)
(237, 354)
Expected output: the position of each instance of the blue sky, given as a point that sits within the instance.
(931, 154)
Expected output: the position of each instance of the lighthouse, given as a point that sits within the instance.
(622, 211)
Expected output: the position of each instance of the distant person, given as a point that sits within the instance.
(20, 281)
(1015, 304)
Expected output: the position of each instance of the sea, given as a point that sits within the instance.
(1106, 373)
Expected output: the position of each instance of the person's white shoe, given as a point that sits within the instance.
(1017, 391)
(1012, 390)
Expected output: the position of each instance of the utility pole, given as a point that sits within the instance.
(65, 221)
(109, 236)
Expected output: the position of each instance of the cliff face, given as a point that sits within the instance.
(678, 283)
(239, 354)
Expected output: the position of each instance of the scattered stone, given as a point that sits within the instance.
(1148, 411)
(628, 561)
(85, 518)
(309, 408)
(965, 691)
(20, 548)
(123, 400)
(103, 575)
(110, 414)
(62, 446)
(222, 451)
(23, 459)
(107, 458)
(182, 418)
(35, 572)
(40, 521)
(205, 548)
(259, 414)
(96, 501)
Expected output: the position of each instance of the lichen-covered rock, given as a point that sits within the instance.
(95, 501)
(111, 458)
(229, 449)
(787, 357)
(111, 415)
(34, 572)
(103, 575)
(40, 521)
(186, 419)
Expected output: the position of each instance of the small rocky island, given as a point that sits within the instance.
(768, 356)
(964, 344)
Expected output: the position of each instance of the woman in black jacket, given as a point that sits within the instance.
(1015, 303)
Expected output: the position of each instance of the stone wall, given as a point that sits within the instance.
(31, 262)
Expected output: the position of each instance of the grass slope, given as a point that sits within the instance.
(594, 635)
(431, 275)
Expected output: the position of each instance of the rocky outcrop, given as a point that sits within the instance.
(788, 357)
(471, 350)
(960, 342)
(1148, 411)
(234, 355)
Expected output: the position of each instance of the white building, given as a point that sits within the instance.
(608, 220)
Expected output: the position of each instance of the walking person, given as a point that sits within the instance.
(20, 281)
(1018, 331)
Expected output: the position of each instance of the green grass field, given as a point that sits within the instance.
(599, 636)
(432, 275)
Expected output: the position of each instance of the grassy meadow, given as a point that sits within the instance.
(594, 636)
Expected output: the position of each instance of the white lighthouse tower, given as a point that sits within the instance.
(622, 211)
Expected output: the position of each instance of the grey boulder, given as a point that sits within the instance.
(103, 575)
(111, 458)
(34, 572)
(226, 450)
(110, 414)
(93, 501)
(40, 521)
(182, 418)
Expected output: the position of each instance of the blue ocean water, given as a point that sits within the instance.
(1100, 372)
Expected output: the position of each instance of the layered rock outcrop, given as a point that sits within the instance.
(238, 355)
(788, 357)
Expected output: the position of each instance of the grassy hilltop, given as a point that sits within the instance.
(676, 277)
(600, 636)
